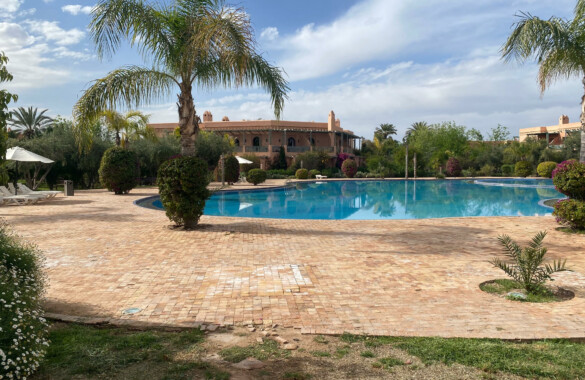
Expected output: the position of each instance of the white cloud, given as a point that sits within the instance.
(27, 12)
(51, 31)
(269, 34)
(10, 5)
(14, 36)
(63, 52)
(77, 9)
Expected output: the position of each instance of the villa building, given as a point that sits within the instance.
(264, 138)
(553, 134)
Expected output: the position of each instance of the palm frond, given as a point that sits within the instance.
(557, 266)
(536, 242)
(511, 248)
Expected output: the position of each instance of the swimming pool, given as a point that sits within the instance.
(395, 199)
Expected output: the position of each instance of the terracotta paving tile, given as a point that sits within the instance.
(394, 277)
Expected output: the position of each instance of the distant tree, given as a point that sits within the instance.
(414, 128)
(29, 121)
(5, 98)
(499, 133)
(474, 135)
(557, 44)
(130, 126)
(385, 131)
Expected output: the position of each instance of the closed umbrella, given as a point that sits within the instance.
(19, 154)
(242, 160)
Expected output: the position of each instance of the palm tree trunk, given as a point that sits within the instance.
(118, 141)
(582, 152)
(188, 125)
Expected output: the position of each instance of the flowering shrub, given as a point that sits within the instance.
(453, 167)
(182, 184)
(571, 213)
(23, 330)
(569, 179)
(545, 169)
(341, 157)
(256, 176)
(523, 169)
(302, 174)
(349, 168)
(118, 170)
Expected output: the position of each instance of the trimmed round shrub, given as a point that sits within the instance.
(118, 170)
(523, 169)
(569, 179)
(256, 176)
(453, 167)
(507, 170)
(182, 184)
(314, 173)
(545, 169)
(571, 213)
(349, 168)
(302, 174)
(232, 169)
(23, 330)
(487, 170)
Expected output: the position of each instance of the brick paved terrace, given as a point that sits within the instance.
(395, 277)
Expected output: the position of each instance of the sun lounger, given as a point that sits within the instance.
(28, 199)
(25, 190)
(17, 200)
(319, 176)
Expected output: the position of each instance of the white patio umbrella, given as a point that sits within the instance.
(19, 154)
(242, 160)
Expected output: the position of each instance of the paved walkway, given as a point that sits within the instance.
(404, 277)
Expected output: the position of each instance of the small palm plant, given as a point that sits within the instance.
(527, 268)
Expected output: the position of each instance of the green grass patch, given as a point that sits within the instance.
(116, 352)
(559, 359)
(341, 352)
(320, 339)
(350, 338)
(389, 362)
(569, 230)
(321, 354)
(268, 349)
(368, 354)
(504, 286)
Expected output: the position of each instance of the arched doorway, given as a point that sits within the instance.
(291, 141)
(237, 142)
(256, 141)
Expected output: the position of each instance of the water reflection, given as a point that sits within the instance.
(383, 200)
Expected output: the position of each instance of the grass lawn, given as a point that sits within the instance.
(85, 352)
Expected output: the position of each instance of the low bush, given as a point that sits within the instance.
(468, 172)
(349, 168)
(118, 170)
(487, 170)
(302, 174)
(23, 330)
(361, 174)
(314, 173)
(453, 167)
(523, 169)
(571, 213)
(569, 179)
(182, 184)
(232, 169)
(545, 169)
(256, 176)
(440, 176)
(507, 170)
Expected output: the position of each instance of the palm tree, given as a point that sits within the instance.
(131, 126)
(414, 128)
(384, 131)
(559, 48)
(29, 121)
(202, 43)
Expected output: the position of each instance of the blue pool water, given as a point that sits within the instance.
(366, 200)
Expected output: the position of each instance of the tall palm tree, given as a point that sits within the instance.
(29, 121)
(202, 43)
(414, 128)
(384, 131)
(558, 46)
(131, 126)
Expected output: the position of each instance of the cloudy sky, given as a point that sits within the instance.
(371, 61)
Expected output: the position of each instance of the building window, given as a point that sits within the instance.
(237, 142)
(291, 141)
(256, 141)
(312, 141)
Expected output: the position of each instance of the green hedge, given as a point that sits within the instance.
(118, 170)
(182, 184)
(545, 169)
(256, 176)
(523, 169)
(570, 212)
(232, 169)
(302, 174)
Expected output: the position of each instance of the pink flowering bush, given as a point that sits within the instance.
(571, 213)
(453, 167)
(569, 179)
(23, 330)
(349, 168)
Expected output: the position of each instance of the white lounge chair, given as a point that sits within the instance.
(319, 176)
(28, 199)
(25, 190)
(17, 200)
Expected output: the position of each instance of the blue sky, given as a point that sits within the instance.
(371, 61)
